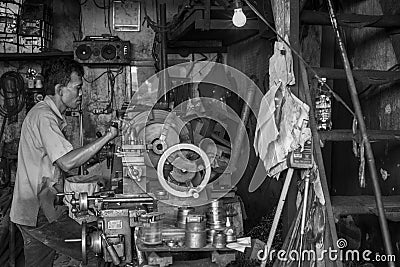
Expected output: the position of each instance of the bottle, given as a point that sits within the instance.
(323, 107)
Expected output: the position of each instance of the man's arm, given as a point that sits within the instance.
(79, 156)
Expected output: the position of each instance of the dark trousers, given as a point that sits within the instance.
(42, 242)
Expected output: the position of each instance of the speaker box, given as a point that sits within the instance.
(102, 52)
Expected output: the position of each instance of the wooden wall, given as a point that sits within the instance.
(252, 58)
(368, 48)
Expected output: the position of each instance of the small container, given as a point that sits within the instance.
(151, 228)
(195, 235)
(219, 240)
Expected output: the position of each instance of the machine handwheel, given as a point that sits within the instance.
(192, 192)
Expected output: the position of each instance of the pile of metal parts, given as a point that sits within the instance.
(160, 170)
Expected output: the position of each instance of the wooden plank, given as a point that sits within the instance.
(350, 20)
(202, 43)
(191, 50)
(37, 56)
(346, 205)
(392, 7)
(185, 26)
(200, 46)
(347, 135)
(320, 163)
(365, 76)
(219, 24)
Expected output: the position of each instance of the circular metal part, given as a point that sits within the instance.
(95, 242)
(84, 242)
(135, 172)
(183, 212)
(159, 146)
(189, 192)
(195, 239)
(150, 127)
(210, 235)
(216, 216)
(83, 202)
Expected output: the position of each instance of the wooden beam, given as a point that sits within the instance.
(365, 76)
(347, 135)
(190, 50)
(388, 7)
(34, 56)
(347, 205)
(350, 20)
(186, 25)
(202, 43)
(219, 24)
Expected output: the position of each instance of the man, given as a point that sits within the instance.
(43, 154)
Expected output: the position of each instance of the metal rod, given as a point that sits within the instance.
(81, 169)
(278, 212)
(164, 55)
(124, 200)
(72, 240)
(363, 129)
(304, 213)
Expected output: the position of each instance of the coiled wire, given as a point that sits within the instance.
(12, 91)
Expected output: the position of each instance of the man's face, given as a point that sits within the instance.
(72, 92)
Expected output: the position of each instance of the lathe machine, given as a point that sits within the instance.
(161, 173)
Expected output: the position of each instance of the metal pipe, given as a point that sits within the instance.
(164, 55)
(279, 208)
(124, 200)
(81, 169)
(304, 214)
(363, 129)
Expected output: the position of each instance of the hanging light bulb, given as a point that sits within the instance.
(239, 18)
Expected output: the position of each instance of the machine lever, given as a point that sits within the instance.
(111, 250)
(72, 240)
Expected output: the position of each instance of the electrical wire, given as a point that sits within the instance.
(15, 94)
(111, 76)
(334, 94)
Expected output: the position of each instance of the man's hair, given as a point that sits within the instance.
(59, 71)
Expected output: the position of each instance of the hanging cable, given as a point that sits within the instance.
(335, 95)
(12, 91)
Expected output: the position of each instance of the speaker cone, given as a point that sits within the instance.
(109, 52)
(83, 52)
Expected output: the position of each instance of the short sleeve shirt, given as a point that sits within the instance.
(41, 144)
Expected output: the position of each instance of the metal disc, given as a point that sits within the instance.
(84, 242)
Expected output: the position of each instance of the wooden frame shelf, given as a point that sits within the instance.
(34, 56)
(347, 135)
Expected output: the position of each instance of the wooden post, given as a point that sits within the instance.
(286, 17)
